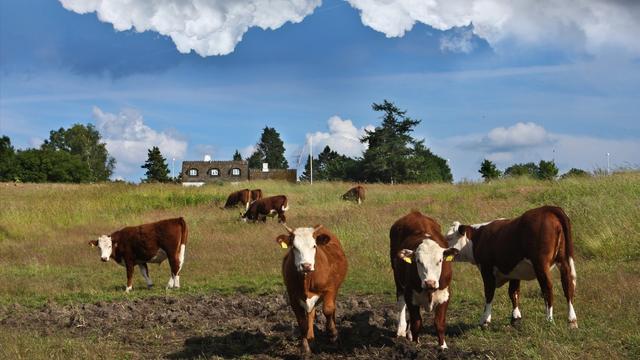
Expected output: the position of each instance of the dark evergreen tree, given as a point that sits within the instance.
(547, 170)
(528, 169)
(156, 165)
(270, 149)
(237, 156)
(489, 171)
(575, 172)
(7, 160)
(83, 141)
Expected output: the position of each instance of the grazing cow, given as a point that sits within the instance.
(421, 264)
(313, 271)
(148, 243)
(269, 206)
(236, 198)
(356, 193)
(524, 248)
(256, 194)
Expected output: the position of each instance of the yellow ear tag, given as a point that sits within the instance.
(283, 245)
(449, 258)
(407, 259)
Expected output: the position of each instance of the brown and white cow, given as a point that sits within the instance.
(313, 270)
(256, 194)
(240, 197)
(148, 243)
(422, 271)
(269, 206)
(356, 193)
(524, 248)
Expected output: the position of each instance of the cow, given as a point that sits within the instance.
(313, 270)
(356, 193)
(269, 206)
(422, 271)
(240, 197)
(523, 248)
(256, 194)
(148, 243)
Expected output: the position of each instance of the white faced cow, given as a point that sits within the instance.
(148, 243)
(524, 248)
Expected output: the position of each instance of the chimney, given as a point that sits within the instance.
(207, 157)
(265, 167)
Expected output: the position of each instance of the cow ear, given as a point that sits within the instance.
(93, 242)
(406, 255)
(462, 229)
(322, 239)
(284, 241)
(450, 253)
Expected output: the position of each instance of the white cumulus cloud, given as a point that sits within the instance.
(208, 27)
(128, 139)
(343, 137)
(517, 136)
(592, 25)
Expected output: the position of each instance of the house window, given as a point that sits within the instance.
(214, 172)
(193, 172)
(235, 172)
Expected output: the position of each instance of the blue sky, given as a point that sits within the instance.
(510, 91)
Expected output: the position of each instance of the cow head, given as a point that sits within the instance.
(429, 257)
(459, 237)
(304, 241)
(105, 244)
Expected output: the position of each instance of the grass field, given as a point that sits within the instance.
(44, 254)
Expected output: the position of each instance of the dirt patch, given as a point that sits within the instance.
(212, 326)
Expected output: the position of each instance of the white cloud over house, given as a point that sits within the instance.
(128, 139)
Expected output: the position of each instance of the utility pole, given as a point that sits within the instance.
(173, 167)
(311, 159)
(608, 164)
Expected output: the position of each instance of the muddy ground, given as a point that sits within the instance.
(216, 326)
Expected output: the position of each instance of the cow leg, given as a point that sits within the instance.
(281, 218)
(568, 277)
(174, 265)
(544, 279)
(130, 267)
(440, 323)
(144, 270)
(514, 295)
(311, 317)
(415, 319)
(489, 281)
(301, 317)
(329, 310)
(403, 328)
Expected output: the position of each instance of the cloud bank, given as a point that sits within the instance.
(128, 138)
(342, 137)
(215, 27)
(208, 27)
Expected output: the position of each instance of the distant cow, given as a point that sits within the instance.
(148, 243)
(313, 270)
(269, 206)
(256, 194)
(240, 197)
(356, 193)
(524, 248)
(421, 264)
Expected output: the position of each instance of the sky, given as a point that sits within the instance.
(507, 81)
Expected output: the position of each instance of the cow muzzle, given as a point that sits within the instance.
(306, 268)
(430, 285)
(105, 259)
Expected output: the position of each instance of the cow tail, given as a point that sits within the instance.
(185, 232)
(566, 230)
(285, 206)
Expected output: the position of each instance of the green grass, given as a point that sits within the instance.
(44, 254)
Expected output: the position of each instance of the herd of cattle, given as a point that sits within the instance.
(504, 250)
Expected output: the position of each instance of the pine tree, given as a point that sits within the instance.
(270, 149)
(156, 165)
(489, 171)
(547, 170)
(237, 156)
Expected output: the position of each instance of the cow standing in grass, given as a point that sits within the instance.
(524, 248)
(148, 243)
(356, 194)
(313, 270)
(240, 197)
(421, 264)
(269, 206)
(256, 194)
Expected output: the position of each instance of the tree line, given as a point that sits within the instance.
(543, 170)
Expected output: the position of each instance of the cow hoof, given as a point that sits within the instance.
(333, 338)
(150, 286)
(573, 324)
(306, 350)
(485, 325)
(516, 321)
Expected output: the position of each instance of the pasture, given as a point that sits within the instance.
(57, 300)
